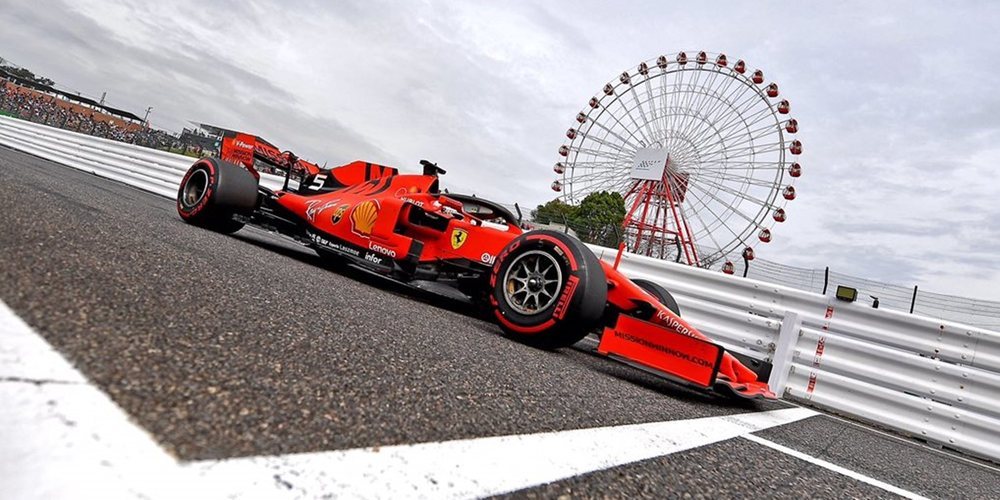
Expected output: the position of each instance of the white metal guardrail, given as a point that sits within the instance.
(936, 380)
(933, 379)
(151, 170)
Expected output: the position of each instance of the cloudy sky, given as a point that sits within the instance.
(897, 101)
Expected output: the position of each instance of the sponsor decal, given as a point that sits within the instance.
(565, 297)
(239, 150)
(488, 258)
(338, 214)
(820, 347)
(375, 247)
(458, 238)
(375, 259)
(363, 217)
(829, 314)
(333, 245)
(654, 346)
(316, 207)
(402, 193)
(672, 323)
(817, 360)
(664, 349)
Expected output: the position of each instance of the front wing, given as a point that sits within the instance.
(675, 356)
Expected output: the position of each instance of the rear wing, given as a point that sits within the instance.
(251, 151)
(247, 150)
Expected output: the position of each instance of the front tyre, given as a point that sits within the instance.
(548, 289)
(661, 294)
(213, 191)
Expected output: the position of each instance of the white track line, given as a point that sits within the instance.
(857, 476)
(61, 437)
(478, 467)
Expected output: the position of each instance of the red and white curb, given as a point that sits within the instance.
(61, 437)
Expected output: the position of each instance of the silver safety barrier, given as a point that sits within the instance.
(148, 169)
(935, 380)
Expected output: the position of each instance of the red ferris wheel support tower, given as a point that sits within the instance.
(655, 221)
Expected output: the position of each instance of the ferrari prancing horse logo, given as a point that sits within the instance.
(458, 237)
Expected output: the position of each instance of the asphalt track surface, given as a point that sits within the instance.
(245, 345)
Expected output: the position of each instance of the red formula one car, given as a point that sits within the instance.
(543, 288)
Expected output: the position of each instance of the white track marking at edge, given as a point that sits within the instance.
(479, 467)
(61, 437)
(857, 476)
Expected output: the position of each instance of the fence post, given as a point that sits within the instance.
(826, 279)
(913, 301)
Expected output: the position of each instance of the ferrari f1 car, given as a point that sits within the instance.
(543, 288)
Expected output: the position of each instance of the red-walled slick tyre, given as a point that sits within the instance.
(549, 289)
(212, 191)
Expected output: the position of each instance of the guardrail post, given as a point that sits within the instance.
(788, 336)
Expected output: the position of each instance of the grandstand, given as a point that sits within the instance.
(41, 102)
(74, 102)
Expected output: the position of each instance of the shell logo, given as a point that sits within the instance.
(364, 216)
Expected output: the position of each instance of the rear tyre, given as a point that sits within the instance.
(661, 294)
(548, 289)
(213, 191)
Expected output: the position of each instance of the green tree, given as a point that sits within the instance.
(599, 217)
(554, 212)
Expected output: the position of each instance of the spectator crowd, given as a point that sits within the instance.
(55, 112)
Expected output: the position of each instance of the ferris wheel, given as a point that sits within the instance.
(701, 150)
